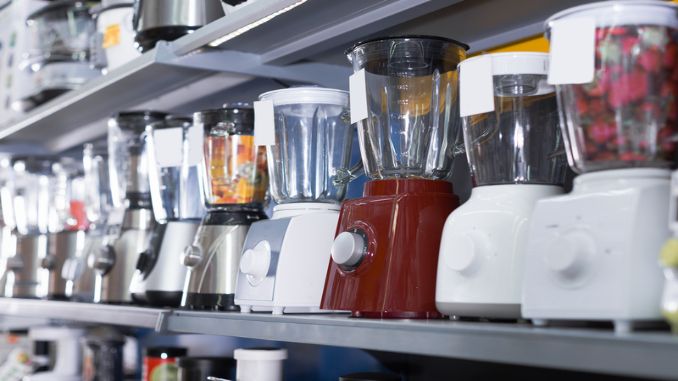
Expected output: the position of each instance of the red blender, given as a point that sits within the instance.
(385, 254)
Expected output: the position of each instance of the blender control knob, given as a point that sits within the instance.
(15, 263)
(256, 262)
(105, 260)
(48, 262)
(348, 249)
(466, 250)
(570, 252)
(144, 261)
(192, 256)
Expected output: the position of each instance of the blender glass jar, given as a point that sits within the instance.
(173, 179)
(127, 156)
(60, 31)
(67, 208)
(519, 142)
(313, 133)
(627, 116)
(97, 195)
(234, 168)
(413, 113)
(31, 194)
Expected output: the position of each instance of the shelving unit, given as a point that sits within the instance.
(641, 354)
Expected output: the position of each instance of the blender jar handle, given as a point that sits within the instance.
(346, 175)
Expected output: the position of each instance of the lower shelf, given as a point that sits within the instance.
(642, 354)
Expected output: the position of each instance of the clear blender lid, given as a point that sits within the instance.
(306, 95)
(232, 119)
(632, 12)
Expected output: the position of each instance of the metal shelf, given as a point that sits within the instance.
(50, 310)
(651, 354)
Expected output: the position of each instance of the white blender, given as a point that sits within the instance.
(174, 156)
(592, 254)
(514, 148)
(285, 259)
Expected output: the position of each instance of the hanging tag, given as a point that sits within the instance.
(358, 88)
(167, 143)
(476, 90)
(572, 56)
(264, 123)
(195, 137)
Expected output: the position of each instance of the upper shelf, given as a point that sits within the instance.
(640, 354)
(301, 42)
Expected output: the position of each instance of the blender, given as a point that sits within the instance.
(385, 254)
(67, 365)
(175, 154)
(30, 203)
(58, 51)
(592, 254)
(515, 152)
(234, 182)
(128, 170)
(285, 259)
(67, 224)
(77, 272)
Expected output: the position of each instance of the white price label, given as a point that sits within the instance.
(195, 137)
(572, 55)
(358, 88)
(167, 142)
(476, 90)
(264, 123)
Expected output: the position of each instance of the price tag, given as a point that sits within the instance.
(476, 90)
(358, 88)
(572, 55)
(195, 137)
(167, 143)
(264, 123)
(111, 36)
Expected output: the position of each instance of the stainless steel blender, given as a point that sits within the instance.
(30, 203)
(285, 259)
(78, 272)
(175, 154)
(234, 181)
(128, 170)
(67, 224)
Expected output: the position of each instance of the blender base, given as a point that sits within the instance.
(211, 302)
(592, 255)
(482, 251)
(401, 222)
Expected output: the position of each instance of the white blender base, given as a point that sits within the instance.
(592, 255)
(480, 269)
(293, 264)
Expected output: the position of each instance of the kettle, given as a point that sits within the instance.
(167, 20)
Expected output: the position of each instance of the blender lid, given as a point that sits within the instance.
(57, 5)
(241, 115)
(172, 121)
(137, 120)
(515, 63)
(306, 95)
(169, 351)
(634, 12)
(36, 164)
(407, 37)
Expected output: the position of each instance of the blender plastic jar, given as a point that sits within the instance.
(413, 114)
(626, 115)
(519, 141)
(313, 133)
(261, 364)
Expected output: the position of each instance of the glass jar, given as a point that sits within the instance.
(412, 99)
(519, 142)
(627, 116)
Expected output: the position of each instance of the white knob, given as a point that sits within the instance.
(348, 249)
(255, 262)
(569, 253)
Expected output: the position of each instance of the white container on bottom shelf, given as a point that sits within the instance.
(259, 364)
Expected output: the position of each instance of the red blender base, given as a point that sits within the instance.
(402, 221)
